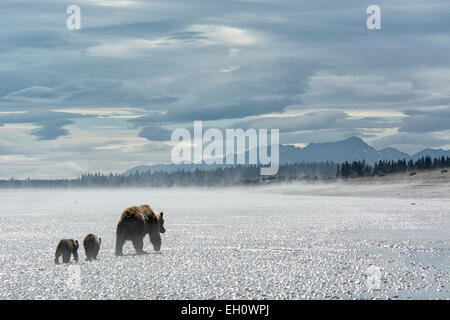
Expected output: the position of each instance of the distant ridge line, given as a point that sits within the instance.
(351, 149)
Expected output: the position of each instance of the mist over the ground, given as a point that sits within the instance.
(430, 184)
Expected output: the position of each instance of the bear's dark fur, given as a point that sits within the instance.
(66, 248)
(135, 223)
(91, 244)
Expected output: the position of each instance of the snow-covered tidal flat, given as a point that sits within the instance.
(234, 243)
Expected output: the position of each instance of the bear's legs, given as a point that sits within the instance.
(155, 239)
(57, 255)
(88, 254)
(95, 254)
(120, 240)
(75, 256)
(66, 256)
(138, 244)
(86, 251)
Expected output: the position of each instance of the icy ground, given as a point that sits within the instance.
(265, 243)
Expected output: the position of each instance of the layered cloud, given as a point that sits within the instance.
(87, 99)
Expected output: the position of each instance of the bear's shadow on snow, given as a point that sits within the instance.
(145, 253)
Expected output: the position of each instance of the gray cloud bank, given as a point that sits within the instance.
(138, 69)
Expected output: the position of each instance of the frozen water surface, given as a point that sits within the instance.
(264, 243)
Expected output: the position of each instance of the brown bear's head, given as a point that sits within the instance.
(161, 223)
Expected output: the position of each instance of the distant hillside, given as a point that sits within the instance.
(351, 149)
(392, 154)
(433, 153)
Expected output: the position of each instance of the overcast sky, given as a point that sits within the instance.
(106, 97)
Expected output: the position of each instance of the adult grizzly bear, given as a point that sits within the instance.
(135, 222)
(91, 244)
(66, 248)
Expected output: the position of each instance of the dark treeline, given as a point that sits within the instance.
(362, 169)
(237, 175)
(240, 174)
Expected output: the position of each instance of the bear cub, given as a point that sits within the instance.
(66, 248)
(91, 244)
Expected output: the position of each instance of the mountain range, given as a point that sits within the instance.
(351, 149)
